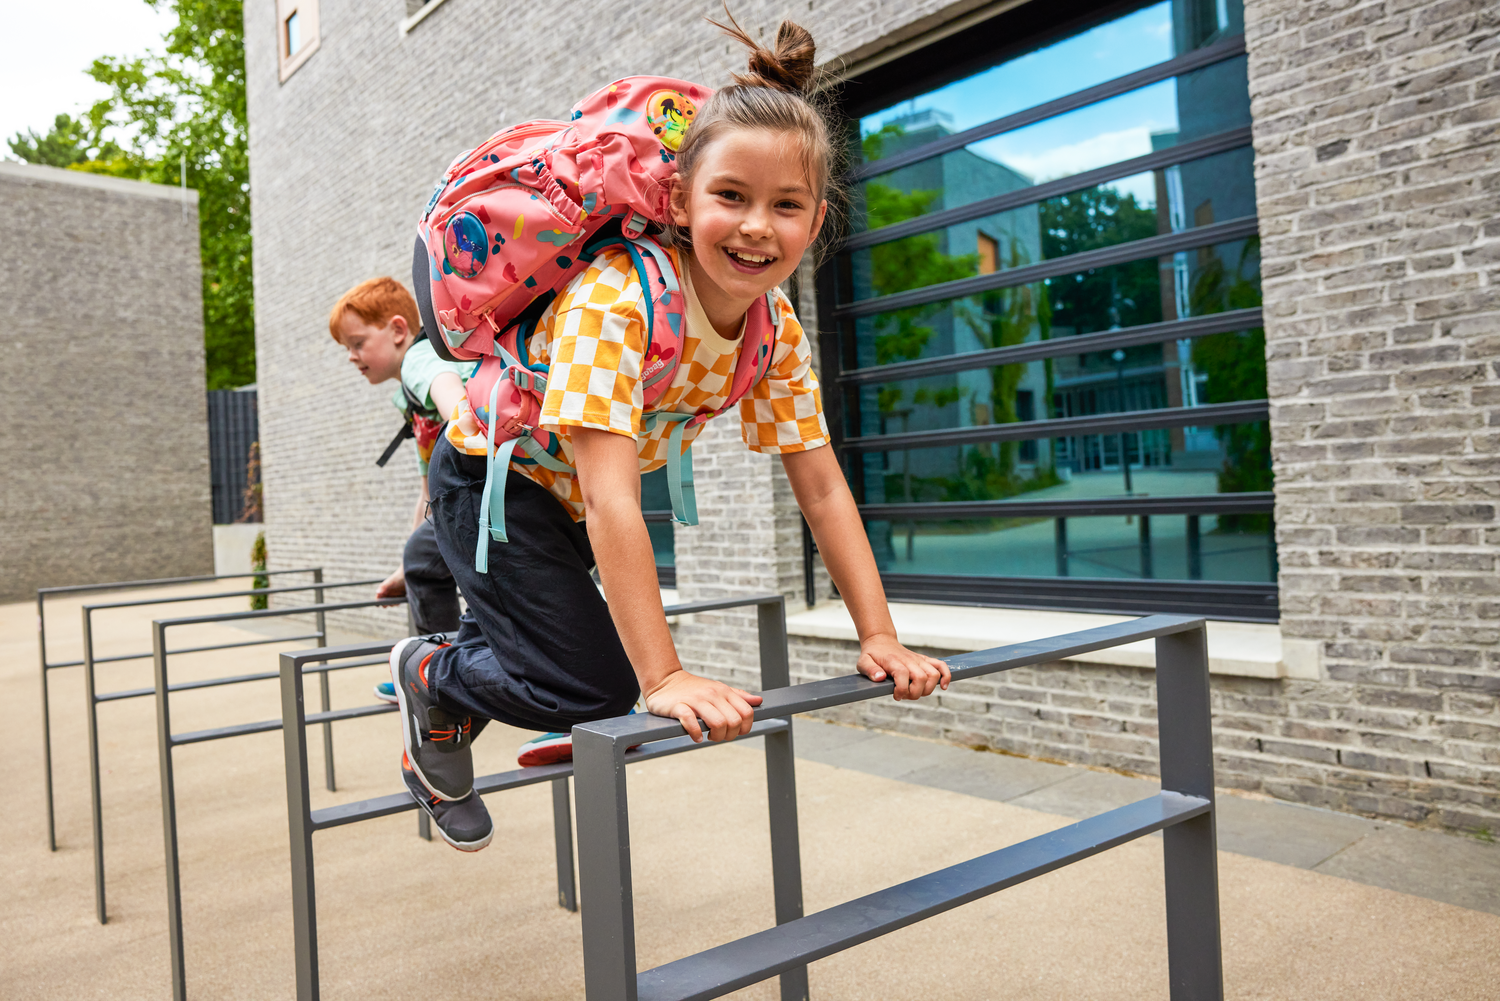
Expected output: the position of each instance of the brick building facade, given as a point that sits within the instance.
(1376, 127)
(99, 487)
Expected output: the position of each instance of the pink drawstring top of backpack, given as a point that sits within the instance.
(511, 223)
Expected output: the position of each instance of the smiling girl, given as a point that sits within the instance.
(539, 647)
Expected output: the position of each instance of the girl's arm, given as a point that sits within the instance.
(609, 477)
(829, 509)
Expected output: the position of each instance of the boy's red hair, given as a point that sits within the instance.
(375, 302)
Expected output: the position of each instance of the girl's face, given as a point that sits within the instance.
(376, 351)
(752, 213)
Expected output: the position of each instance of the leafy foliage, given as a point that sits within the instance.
(1099, 299)
(186, 107)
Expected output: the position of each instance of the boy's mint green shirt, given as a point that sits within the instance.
(419, 367)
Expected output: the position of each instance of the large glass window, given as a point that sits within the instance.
(1045, 322)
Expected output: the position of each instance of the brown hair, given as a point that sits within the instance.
(375, 302)
(774, 95)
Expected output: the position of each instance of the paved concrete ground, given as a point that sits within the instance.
(1451, 868)
(400, 918)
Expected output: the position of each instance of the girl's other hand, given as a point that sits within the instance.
(393, 586)
(915, 675)
(729, 712)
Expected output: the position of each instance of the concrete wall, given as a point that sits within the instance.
(1376, 127)
(103, 426)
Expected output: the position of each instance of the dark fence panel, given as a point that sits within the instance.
(233, 426)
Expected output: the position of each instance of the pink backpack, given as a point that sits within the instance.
(511, 223)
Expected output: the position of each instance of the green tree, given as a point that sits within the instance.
(1091, 219)
(183, 110)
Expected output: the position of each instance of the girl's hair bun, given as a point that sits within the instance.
(788, 67)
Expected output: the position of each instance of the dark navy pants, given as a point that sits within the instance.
(431, 591)
(536, 648)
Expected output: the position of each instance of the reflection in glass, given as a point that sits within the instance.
(1138, 547)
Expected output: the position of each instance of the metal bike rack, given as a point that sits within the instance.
(167, 740)
(304, 821)
(92, 699)
(1183, 811)
(44, 593)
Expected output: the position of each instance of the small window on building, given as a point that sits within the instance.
(989, 254)
(297, 33)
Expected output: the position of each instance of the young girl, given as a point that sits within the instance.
(539, 647)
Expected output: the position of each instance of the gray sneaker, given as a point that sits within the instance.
(437, 742)
(464, 824)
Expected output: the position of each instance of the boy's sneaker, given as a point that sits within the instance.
(465, 824)
(548, 749)
(437, 741)
(386, 692)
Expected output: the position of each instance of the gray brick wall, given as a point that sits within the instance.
(1376, 127)
(103, 417)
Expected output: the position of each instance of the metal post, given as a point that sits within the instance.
(41, 645)
(168, 812)
(781, 790)
(1189, 849)
(424, 825)
(96, 798)
(1147, 569)
(299, 816)
(562, 837)
(322, 628)
(604, 868)
(1060, 536)
(1194, 548)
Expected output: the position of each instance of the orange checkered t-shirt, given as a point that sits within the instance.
(595, 336)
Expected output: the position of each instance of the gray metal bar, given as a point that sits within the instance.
(41, 646)
(184, 686)
(299, 820)
(1104, 340)
(322, 626)
(1212, 504)
(781, 791)
(180, 598)
(1195, 149)
(1228, 48)
(126, 585)
(169, 813)
(1242, 412)
(266, 726)
(604, 865)
(96, 800)
(727, 968)
(562, 841)
(1189, 850)
(276, 613)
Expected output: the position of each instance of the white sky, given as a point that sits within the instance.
(47, 45)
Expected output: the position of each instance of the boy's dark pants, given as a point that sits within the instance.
(537, 648)
(431, 591)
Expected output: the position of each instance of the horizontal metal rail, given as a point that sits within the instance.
(129, 585)
(1197, 59)
(1209, 415)
(1246, 503)
(44, 593)
(1105, 340)
(248, 592)
(1195, 149)
(304, 821)
(1227, 600)
(1184, 811)
(717, 971)
(1120, 253)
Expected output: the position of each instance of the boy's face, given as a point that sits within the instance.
(375, 351)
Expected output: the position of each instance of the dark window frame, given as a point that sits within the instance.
(962, 54)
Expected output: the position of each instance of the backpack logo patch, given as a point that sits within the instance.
(670, 114)
(466, 245)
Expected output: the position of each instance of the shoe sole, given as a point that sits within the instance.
(407, 720)
(463, 846)
(546, 754)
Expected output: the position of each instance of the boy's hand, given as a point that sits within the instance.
(393, 586)
(686, 697)
(915, 675)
